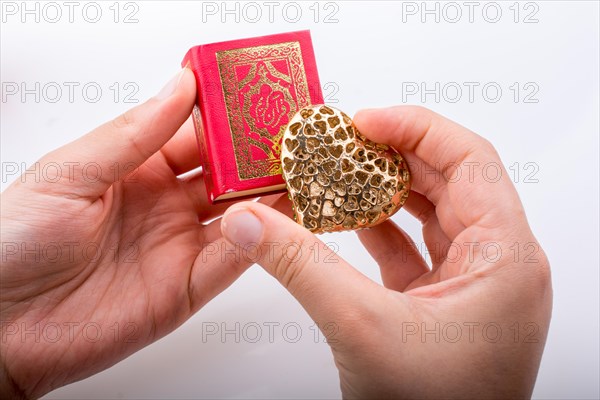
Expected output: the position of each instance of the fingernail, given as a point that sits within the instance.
(171, 86)
(242, 227)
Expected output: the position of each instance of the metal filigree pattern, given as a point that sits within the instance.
(337, 179)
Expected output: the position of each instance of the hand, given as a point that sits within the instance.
(471, 326)
(105, 256)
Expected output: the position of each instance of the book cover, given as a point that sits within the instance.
(248, 90)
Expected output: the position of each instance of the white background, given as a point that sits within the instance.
(369, 55)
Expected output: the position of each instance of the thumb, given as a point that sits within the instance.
(92, 163)
(328, 288)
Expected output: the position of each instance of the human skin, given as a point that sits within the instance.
(114, 264)
(152, 270)
(473, 325)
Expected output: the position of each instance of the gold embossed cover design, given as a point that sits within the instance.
(263, 87)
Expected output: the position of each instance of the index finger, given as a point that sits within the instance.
(473, 175)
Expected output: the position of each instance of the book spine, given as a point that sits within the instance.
(202, 125)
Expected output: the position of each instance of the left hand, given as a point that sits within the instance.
(105, 256)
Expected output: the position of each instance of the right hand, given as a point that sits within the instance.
(428, 332)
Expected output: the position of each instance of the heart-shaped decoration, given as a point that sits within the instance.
(336, 178)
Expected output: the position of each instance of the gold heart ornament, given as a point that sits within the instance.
(336, 178)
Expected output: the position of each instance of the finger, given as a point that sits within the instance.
(419, 207)
(425, 179)
(220, 263)
(216, 267)
(121, 145)
(396, 254)
(436, 240)
(329, 291)
(457, 153)
(446, 217)
(181, 151)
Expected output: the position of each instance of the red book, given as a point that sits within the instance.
(248, 90)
